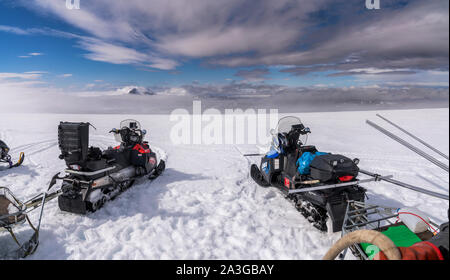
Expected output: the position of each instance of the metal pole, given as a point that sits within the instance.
(253, 155)
(333, 186)
(415, 137)
(409, 146)
(404, 185)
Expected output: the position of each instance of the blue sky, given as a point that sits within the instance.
(301, 43)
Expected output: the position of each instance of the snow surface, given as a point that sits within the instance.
(205, 206)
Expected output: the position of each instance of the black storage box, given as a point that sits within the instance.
(73, 139)
(329, 168)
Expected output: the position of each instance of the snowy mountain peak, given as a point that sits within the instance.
(135, 90)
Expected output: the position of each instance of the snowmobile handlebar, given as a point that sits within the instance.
(305, 131)
(115, 130)
(301, 129)
(129, 136)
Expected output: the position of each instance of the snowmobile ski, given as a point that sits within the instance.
(256, 175)
(6, 158)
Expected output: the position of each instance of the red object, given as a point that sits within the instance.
(346, 178)
(432, 228)
(116, 148)
(419, 251)
(141, 149)
(287, 183)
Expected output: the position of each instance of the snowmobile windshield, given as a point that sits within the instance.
(284, 126)
(131, 124)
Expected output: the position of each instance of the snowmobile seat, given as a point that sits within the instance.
(94, 165)
(10, 220)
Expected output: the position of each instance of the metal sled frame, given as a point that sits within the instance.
(357, 218)
(360, 215)
(9, 221)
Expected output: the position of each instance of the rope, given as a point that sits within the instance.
(364, 236)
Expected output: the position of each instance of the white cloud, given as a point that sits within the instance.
(25, 76)
(418, 84)
(100, 50)
(30, 54)
(173, 91)
(36, 72)
(65, 75)
(227, 40)
(422, 78)
(15, 30)
(116, 54)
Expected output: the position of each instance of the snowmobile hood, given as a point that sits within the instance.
(3, 146)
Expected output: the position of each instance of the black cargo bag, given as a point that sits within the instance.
(333, 168)
(142, 156)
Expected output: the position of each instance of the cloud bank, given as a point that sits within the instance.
(25, 92)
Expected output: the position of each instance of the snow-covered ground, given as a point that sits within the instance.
(205, 206)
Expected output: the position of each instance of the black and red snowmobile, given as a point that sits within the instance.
(95, 176)
(6, 158)
(320, 184)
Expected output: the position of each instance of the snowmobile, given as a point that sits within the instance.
(94, 176)
(6, 158)
(320, 184)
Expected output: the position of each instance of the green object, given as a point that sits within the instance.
(401, 235)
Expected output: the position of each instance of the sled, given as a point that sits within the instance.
(363, 216)
(14, 213)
